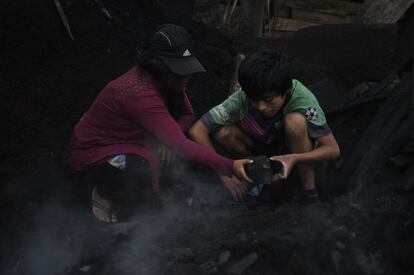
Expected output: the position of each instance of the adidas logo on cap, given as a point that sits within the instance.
(187, 53)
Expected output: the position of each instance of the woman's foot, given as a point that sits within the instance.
(102, 208)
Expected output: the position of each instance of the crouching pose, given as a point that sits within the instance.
(270, 110)
(116, 142)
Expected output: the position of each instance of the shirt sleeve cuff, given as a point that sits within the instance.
(209, 122)
(316, 131)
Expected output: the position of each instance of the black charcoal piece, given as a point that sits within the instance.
(276, 166)
(260, 170)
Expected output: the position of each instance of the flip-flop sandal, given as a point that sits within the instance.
(109, 212)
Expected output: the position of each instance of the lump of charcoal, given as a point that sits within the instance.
(260, 171)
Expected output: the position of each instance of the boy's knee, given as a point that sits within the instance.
(225, 134)
(295, 125)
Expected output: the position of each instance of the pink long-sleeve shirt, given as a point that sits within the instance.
(127, 117)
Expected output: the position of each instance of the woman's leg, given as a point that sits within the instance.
(120, 189)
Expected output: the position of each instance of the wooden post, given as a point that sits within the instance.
(234, 83)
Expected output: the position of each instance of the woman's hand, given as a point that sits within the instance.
(236, 188)
(166, 156)
(239, 172)
(288, 162)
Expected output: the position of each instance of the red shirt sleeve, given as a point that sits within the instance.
(150, 113)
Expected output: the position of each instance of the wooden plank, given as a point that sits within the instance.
(326, 6)
(286, 24)
(283, 12)
(320, 17)
(275, 33)
(383, 11)
(234, 82)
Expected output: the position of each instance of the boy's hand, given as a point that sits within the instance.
(236, 188)
(288, 162)
(166, 156)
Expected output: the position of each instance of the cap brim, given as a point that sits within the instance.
(184, 66)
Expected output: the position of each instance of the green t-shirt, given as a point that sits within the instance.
(303, 101)
(237, 108)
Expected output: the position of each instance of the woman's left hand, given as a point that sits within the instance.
(166, 156)
(240, 172)
(288, 162)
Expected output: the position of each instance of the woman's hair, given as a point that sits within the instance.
(170, 88)
(265, 72)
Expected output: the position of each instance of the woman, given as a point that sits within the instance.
(116, 140)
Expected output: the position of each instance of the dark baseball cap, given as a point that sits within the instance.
(174, 46)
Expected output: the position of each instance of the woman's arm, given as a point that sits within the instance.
(150, 113)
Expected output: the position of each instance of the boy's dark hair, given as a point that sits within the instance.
(265, 72)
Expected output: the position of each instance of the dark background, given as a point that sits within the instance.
(47, 81)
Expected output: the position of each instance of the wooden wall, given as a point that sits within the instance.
(291, 15)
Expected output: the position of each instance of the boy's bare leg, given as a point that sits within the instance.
(234, 141)
(297, 138)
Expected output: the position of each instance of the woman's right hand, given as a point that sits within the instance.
(236, 188)
(239, 170)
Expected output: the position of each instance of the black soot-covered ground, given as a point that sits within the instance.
(364, 224)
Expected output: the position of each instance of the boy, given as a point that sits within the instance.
(270, 110)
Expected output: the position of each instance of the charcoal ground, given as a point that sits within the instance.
(48, 80)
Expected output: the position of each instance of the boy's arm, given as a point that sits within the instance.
(305, 103)
(230, 111)
(200, 134)
(327, 149)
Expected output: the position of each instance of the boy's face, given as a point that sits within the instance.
(270, 104)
